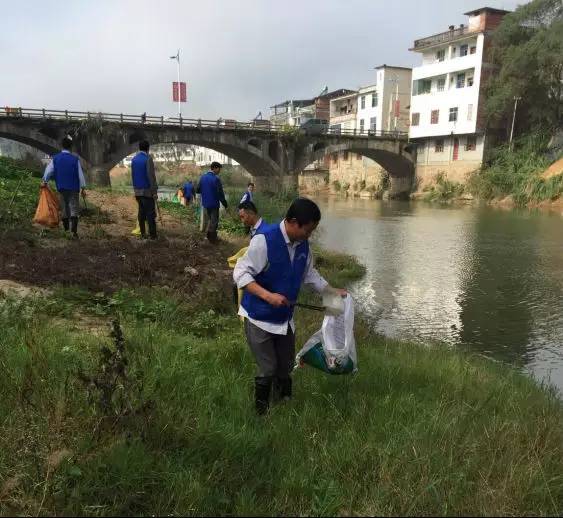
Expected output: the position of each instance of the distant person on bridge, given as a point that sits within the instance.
(188, 191)
(65, 168)
(211, 190)
(146, 189)
(248, 214)
(271, 273)
(247, 196)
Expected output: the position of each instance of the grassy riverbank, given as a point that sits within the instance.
(166, 426)
(514, 176)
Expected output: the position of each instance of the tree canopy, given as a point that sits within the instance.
(528, 47)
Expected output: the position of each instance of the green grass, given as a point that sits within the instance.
(444, 190)
(417, 431)
(19, 192)
(517, 173)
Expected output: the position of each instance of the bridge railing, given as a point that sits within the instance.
(175, 122)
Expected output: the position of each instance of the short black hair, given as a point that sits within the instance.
(215, 165)
(250, 183)
(144, 145)
(67, 143)
(304, 211)
(249, 206)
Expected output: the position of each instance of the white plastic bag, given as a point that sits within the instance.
(332, 349)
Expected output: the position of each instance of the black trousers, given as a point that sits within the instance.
(147, 213)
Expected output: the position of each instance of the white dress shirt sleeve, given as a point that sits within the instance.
(49, 172)
(81, 176)
(251, 263)
(312, 277)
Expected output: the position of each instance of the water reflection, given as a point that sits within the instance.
(491, 280)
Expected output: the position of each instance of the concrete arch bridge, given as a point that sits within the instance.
(273, 155)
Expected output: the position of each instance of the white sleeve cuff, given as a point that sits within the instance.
(245, 280)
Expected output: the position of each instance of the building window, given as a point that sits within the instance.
(441, 55)
(363, 101)
(463, 50)
(453, 52)
(422, 86)
(473, 50)
(441, 84)
(453, 114)
(470, 81)
(345, 155)
(362, 122)
(434, 116)
(335, 158)
(373, 124)
(460, 83)
(471, 144)
(469, 112)
(439, 145)
(415, 119)
(374, 100)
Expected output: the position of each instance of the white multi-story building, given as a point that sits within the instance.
(384, 105)
(446, 106)
(380, 107)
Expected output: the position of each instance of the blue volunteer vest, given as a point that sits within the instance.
(139, 171)
(209, 188)
(263, 228)
(280, 276)
(66, 172)
(188, 190)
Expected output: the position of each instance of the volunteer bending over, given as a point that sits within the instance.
(272, 271)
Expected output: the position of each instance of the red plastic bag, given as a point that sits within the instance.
(47, 213)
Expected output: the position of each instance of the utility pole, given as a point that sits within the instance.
(177, 58)
(516, 99)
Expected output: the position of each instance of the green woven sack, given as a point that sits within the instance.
(315, 357)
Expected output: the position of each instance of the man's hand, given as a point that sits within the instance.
(83, 192)
(277, 300)
(338, 291)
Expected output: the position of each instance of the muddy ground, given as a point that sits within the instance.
(108, 257)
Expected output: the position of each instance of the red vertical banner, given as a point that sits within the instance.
(179, 95)
(397, 107)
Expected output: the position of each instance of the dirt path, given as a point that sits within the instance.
(108, 257)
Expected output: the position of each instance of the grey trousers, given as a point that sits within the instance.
(213, 216)
(274, 354)
(70, 204)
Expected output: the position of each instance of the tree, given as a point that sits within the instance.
(528, 46)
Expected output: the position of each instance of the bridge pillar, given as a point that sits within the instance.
(400, 187)
(98, 176)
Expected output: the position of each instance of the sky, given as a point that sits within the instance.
(238, 57)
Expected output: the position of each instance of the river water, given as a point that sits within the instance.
(488, 279)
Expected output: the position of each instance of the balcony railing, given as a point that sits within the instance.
(443, 37)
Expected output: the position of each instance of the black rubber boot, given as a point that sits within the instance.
(262, 388)
(74, 226)
(212, 237)
(283, 389)
(66, 224)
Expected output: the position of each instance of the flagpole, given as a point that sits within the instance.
(179, 89)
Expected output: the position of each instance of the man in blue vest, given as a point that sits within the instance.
(211, 190)
(247, 196)
(248, 214)
(65, 168)
(146, 189)
(271, 273)
(188, 191)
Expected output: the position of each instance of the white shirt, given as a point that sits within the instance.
(50, 171)
(255, 228)
(255, 261)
